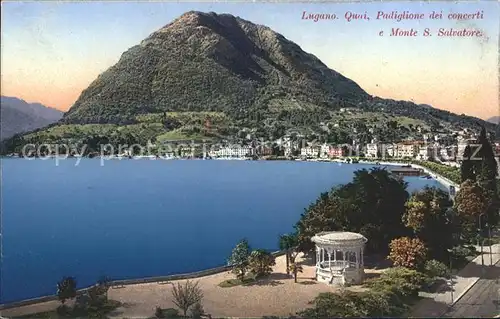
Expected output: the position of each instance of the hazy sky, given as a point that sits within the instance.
(51, 51)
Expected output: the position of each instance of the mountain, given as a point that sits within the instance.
(18, 116)
(209, 62)
(494, 120)
(217, 76)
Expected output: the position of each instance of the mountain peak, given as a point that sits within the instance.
(210, 62)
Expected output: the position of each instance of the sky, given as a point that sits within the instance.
(51, 51)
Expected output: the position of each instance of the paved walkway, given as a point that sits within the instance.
(437, 304)
(482, 301)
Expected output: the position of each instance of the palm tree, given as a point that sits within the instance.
(295, 269)
(287, 243)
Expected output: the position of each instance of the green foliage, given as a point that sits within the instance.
(449, 172)
(372, 204)
(434, 269)
(407, 252)
(400, 282)
(353, 304)
(66, 289)
(471, 204)
(171, 313)
(430, 216)
(289, 243)
(467, 166)
(248, 278)
(460, 253)
(261, 262)
(239, 258)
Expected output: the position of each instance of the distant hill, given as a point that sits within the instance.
(218, 62)
(494, 120)
(217, 76)
(18, 116)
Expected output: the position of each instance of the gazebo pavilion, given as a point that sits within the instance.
(339, 257)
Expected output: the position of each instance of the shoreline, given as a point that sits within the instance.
(206, 272)
(120, 283)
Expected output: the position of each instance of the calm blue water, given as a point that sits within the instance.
(141, 218)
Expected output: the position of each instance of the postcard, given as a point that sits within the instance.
(250, 159)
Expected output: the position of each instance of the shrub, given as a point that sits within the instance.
(170, 313)
(460, 253)
(197, 311)
(400, 283)
(407, 252)
(261, 262)
(435, 269)
(352, 304)
(159, 313)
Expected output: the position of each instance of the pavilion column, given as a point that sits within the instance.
(329, 259)
(358, 253)
(362, 261)
(334, 256)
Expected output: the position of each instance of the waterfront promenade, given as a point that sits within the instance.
(441, 302)
(277, 295)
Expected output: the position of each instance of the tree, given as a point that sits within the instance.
(467, 166)
(66, 289)
(372, 204)
(407, 252)
(239, 258)
(430, 216)
(470, 203)
(294, 269)
(288, 242)
(261, 262)
(487, 172)
(186, 295)
(435, 269)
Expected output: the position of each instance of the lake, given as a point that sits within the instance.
(142, 218)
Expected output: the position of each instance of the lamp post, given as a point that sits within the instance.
(479, 231)
(489, 242)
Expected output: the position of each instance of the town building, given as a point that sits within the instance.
(324, 151)
(372, 150)
(235, 151)
(406, 150)
(336, 152)
(425, 152)
(310, 151)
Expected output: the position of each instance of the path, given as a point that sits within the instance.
(482, 300)
(437, 304)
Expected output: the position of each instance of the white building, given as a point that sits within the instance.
(425, 152)
(372, 150)
(324, 151)
(309, 151)
(232, 151)
(339, 257)
(406, 150)
(388, 150)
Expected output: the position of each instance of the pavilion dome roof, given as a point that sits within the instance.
(339, 239)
